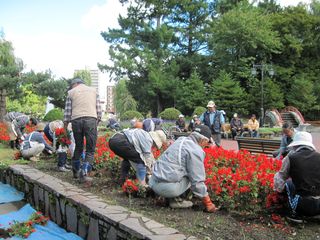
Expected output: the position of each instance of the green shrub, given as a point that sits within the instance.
(54, 114)
(199, 110)
(128, 115)
(170, 114)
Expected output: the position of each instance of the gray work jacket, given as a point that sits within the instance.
(171, 167)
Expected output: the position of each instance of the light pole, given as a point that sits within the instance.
(263, 68)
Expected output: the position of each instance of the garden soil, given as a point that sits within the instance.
(193, 222)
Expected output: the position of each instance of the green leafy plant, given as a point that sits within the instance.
(54, 114)
(199, 110)
(131, 114)
(170, 114)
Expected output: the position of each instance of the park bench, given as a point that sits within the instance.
(176, 135)
(258, 145)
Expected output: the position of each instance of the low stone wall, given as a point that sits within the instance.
(81, 212)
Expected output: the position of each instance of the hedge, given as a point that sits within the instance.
(170, 114)
(54, 114)
(128, 115)
(198, 111)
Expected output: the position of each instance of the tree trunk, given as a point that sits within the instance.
(3, 109)
(159, 104)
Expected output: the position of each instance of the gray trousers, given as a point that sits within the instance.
(216, 138)
(169, 190)
(35, 150)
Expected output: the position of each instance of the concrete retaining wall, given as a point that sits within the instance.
(81, 212)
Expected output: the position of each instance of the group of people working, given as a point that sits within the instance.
(181, 166)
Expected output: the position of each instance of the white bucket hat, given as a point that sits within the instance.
(235, 115)
(181, 116)
(211, 104)
(158, 137)
(302, 139)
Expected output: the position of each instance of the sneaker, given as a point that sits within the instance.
(68, 166)
(295, 218)
(180, 204)
(34, 159)
(317, 217)
(63, 169)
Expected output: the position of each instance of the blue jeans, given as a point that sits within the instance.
(62, 159)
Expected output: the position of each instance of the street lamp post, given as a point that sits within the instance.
(263, 67)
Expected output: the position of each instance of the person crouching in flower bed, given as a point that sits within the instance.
(50, 131)
(181, 167)
(34, 144)
(299, 177)
(134, 146)
(16, 123)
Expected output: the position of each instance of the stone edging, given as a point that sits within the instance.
(81, 212)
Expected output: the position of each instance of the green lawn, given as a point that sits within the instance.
(7, 157)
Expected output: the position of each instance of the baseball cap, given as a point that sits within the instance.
(203, 130)
(211, 104)
(76, 80)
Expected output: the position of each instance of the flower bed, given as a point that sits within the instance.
(4, 136)
(235, 180)
(238, 180)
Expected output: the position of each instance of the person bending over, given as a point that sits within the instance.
(181, 167)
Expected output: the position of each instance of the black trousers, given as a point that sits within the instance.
(235, 131)
(307, 205)
(85, 127)
(120, 145)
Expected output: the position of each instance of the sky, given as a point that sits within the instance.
(63, 35)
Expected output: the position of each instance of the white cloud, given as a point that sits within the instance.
(62, 53)
(101, 17)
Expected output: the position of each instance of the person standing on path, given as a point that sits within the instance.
(214, 119)
(83, 110)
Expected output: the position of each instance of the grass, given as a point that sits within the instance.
(7, 157)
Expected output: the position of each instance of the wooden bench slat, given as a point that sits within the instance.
(258, 145)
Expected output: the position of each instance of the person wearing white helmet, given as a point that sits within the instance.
(299, 177)
(181, 123)
(236, 126)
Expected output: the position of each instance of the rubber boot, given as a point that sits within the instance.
(76, 168)
(125, 168)
(12, 144)
(141, 173)
(85, 169)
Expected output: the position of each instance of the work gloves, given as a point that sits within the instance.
(209, 206)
